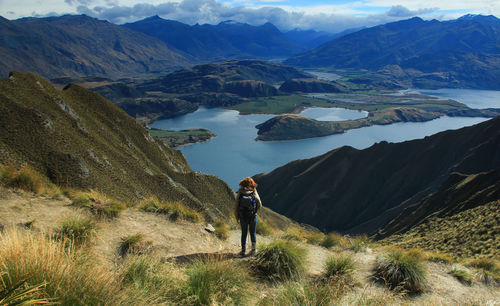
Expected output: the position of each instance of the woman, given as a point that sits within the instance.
(247, 205)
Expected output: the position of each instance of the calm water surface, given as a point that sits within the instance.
(234, 154)
(471, 97)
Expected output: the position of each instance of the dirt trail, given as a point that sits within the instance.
(183, 239)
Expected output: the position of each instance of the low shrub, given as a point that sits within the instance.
(217, 282)
(70, 276)
(97, 203)
(263, 228)
(175, 210)
(401, 270)
(280, 259)
(462, 275)
(339, 265)
(333, 240)
(134, 244)
(221, 230)
(77, 228)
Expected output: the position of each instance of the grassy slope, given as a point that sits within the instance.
(77, 138)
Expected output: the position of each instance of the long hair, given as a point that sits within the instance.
(247, 183)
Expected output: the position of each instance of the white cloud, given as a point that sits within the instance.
(329, 17)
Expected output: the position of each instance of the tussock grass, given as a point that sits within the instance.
(334, 240)
(280, 259)
(306, 293)
(14, 291)
(263, 228)
(359, 243)
(77, 228)
(339, 265)
(27, 179)
(487, 270)
(154, 281)
(462, 275)
(134, 244)
(70, 276)
(221, 230)
(175, 210)
(401, 270)
(439, 258)
(97, 203)
(217, 282)
(303, 235)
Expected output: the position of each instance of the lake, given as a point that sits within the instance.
(234, 153)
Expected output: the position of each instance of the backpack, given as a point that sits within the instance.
(247, 206)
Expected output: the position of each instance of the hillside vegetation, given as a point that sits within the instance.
(74, 46)
(360, 191)
(79, 139)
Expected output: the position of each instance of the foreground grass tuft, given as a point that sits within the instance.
(462, 275)
(281, 260)
(401, 270)
(14, 291)
(487, 269)
(175, 210)
(70, 276)
(306, 293)
(77, 228)
(216, 282)
(134, 244)
(339, 265)
(97, 203)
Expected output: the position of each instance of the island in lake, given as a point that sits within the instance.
(178, 138)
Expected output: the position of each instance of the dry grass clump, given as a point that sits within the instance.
(487, 270)
(154, 281)
(439, 258)
(27, 179)
(306, 293)
(14, 291)
(462, 275)
(77, 228)
(97, 203)
(339, 265)
(135, 244)
(359, 243)
(401, 270)
(334, 240)
(69, 276)
(175, 210)
(216, 282)
(221, 229)
(280, 259)
(303, 235)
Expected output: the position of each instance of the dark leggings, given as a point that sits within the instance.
(245, 224)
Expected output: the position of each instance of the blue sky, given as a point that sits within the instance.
(332, 16)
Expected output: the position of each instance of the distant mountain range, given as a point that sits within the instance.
(311, 38)
(458, 53)
(361, 191)
(80, 46)
(225, 40)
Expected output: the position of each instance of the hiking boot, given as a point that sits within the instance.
(242, 253)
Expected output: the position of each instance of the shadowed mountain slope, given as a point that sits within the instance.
(227, 39)
(360, 191)
(79, 139)
(462, 52)
(80, 46)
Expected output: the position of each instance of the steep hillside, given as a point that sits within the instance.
(79, 139)
(311, 85)
(222, 41)
(360, 191)
(80, 46)
(457, 53)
